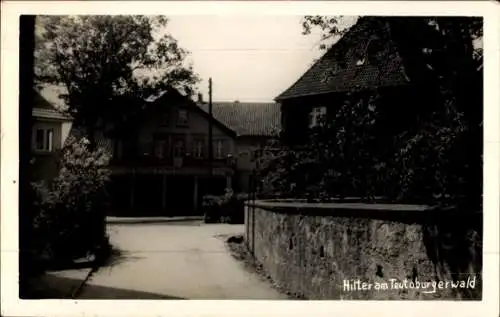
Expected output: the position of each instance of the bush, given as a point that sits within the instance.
(69, 220)
(354, 154)
(227, 208)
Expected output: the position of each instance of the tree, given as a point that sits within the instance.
(109, 65)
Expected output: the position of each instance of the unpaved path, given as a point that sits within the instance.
(179, 260)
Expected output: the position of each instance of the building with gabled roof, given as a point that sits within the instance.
(368, 57)
(50, 129)
(160, 163)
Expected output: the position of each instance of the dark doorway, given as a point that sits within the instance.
(148, 189)
(180, 194)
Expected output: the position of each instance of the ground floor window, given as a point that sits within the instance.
(198, 148)
(219, 150)
(179, 148)
(44, 140)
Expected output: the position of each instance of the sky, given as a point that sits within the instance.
(250, 58)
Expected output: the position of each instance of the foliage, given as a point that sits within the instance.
(431, 154)
(227, 208)
(70, 219)
(109, 64)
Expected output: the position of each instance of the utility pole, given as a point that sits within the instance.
(210, 136)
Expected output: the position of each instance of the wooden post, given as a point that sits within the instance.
(210, 132)
(195, 194)
(164, 192)
(132, 191)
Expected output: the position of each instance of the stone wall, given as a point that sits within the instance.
(325, 251)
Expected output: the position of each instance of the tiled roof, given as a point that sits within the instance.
(50, 114)
(52, 95)
(247, 119)
(349, 75)
(48, 108)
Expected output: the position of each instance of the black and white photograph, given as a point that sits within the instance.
(295, 157)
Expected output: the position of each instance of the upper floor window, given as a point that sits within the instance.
(159, 148)
(179, 148)
(370, 52)
(44, 140)
(361, 61)
(198, 148)
(182, 117)
(165, 118)
(329, 73)
(219, 150)
(316, 115)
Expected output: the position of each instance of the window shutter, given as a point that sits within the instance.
(50, 140)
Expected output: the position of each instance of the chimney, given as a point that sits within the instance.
(200, 98)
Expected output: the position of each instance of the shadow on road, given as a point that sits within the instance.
(55, 287)
(103, 292)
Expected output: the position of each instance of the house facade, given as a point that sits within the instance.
(367, 58)
(50, 129)
(161, 162)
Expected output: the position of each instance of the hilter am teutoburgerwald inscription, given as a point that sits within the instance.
(425, 286)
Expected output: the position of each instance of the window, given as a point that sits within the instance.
(159, 149)
(219, 149)
(198, 148)
(182, 117)
(256, 153)
(164, 119)
(329, 73)
(360, 62)
(370, 51)
(316, 115)
(179, 148)
(44, 140)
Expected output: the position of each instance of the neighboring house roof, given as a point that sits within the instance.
(174, 96)
(45, 109)
(346, 75)
(50, 114)
(247, 119)
(52, 94)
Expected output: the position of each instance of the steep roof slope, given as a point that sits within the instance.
(45, 108)
(345, 67)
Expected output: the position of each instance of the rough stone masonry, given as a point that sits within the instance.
(366, 251)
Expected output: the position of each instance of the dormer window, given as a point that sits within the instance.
(372, 48)
(426, 50)
(316, 115)
(182, 117)
(329, 73)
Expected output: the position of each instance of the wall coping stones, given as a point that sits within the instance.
(358, 209)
